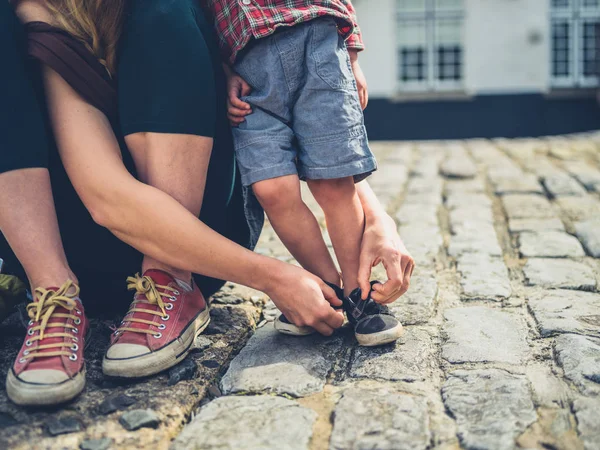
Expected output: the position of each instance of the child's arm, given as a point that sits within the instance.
(354, 43)
(236, 88)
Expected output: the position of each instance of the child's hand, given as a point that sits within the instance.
(361, 81)
(237, 109)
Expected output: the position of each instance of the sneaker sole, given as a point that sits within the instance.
(32, 394)
(291, 329)
(163, 359)
(382, 338)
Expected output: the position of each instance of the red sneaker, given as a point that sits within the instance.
(49, 368)
(160, 328)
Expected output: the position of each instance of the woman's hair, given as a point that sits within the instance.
(97, 23)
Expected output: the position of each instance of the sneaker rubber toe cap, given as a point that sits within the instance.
(377, 323)
(124, 351)
(43, 376)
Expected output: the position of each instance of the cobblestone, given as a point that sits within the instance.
(482, 334)
(492, 407)
(380, 418)
(501, 348)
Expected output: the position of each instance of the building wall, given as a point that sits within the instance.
(506, 46)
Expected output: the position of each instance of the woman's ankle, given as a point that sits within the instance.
(182, 275)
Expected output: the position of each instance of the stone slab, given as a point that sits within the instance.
(417, 305)
(411, 358)
(483, 334)
(587, 411)
(560, 185)
(467, 199)
(588, 233)
(524, 184)
(520, 206)
(559, 273)
(253, 423)
(474, 186)
(579, 357)
(491, 407)
(458, 167)
(518, 225)
(566, 311)
(483, 277)
(579, 208)
(423, 214)
(549, 244)
(278, 364)
(423, 243)
(380, 418)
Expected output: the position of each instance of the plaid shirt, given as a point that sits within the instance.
(238, 21)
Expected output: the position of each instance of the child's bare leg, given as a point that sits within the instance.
(345, 222)
(296, 225)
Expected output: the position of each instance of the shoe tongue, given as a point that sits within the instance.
(51, 362)
(159, 276)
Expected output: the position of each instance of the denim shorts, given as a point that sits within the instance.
(306, 118)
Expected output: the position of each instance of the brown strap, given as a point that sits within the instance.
(72, 60)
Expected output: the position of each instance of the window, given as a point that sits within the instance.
(575, 43)
(430, 44)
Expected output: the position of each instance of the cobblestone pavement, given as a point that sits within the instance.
(502, 328)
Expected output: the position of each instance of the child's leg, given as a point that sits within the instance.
(296, 225)
(345, 223)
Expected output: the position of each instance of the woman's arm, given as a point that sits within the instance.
(382, 244)
(157, 225)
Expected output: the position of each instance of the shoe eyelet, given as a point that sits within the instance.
(28, 343)
(77, 312)
(75, 347)
(77, 321)
(173, 298)
(22, 360)
(165, 318)
(30, 332)
(162, 326)
(169, 306)
(176, 292)
(158, 335)
(75, 339)
(73, 357)
(75, 330)
(26, 352)
(30, 323)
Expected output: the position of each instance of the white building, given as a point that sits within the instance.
(480, 68)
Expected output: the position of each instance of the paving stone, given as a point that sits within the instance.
(579, 208)
(114, 403)
(423, 214)
(468, 214)
(559, 273)
(420, 185)
(518, 225)
(411, 358)
(549, 244)
(491, 407)
(482, 243)
(482, 334)
(251, 423)
(64, 425)
(474, 186)
(588, 232)
(380, 418)
(139, 418)
(417, 305)
(423, 242)
(548, 390)
(523, 184)
(579, 357)
(566, 311)
(185, 370)
(278, 364)
(465, 199)
(520, 206)
(96, 444)
(483, 277)
(560, 185)
(587, 411)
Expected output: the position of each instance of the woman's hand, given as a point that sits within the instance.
(304, 299)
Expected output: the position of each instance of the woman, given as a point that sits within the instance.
(172, 119)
